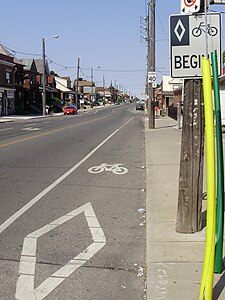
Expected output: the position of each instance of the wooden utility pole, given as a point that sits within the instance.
(189, 213)
(151, 61)
(77, 83)
(103, 81)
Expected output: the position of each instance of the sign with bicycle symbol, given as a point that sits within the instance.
(210, 30)
(114, 168)
(188, 34)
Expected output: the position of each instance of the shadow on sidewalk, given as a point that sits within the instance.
(163, 127)
(204, 218)
(218, 288)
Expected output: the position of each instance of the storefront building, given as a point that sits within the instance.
(7, 90)
(7, 101)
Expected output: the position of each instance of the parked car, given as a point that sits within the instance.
(140, 106)
(117, 103)
(70, 110)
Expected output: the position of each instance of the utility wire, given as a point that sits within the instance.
(14, 52)
(60, 64)
(160, 21)
(120, 71)
(86, 76)
(19, 52)
(71, 67)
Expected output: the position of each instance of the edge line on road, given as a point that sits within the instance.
(22, 210)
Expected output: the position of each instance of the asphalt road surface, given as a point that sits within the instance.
(72, 224)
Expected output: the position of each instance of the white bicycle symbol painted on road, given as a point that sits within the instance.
(116, 169)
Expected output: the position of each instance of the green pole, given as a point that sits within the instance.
(218, 268)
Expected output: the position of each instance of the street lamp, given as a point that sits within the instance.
(92, 68)
(44, 75)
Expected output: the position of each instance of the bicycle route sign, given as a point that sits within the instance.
(188, 43)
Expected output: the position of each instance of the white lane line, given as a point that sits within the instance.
(31, 128)
(25, 284)
(21, 211)
(7, 129)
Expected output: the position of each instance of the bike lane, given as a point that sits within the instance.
(118, 198)
(112, 223)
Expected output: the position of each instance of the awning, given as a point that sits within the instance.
(63, 88)
(49, 89)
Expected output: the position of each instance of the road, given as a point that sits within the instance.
(72, 227)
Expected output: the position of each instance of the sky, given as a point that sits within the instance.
(100, 33)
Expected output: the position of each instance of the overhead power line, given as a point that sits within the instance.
(120, 71)
(73, 67)
(60, 65)
(160, 21)
(19, 52)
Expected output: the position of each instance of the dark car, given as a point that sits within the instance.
(70, 110)
(140, 106)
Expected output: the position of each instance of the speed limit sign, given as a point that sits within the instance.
(152, 77)
(190, 6)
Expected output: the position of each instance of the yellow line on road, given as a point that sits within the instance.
(49, 132)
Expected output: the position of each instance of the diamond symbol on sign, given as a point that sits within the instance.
(179, 30)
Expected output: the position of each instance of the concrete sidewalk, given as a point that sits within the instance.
(174, 260)
(12, 118)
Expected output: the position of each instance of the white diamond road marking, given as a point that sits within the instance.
(179, 36)
(25, 284)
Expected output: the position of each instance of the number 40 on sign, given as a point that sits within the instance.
(151, 77)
